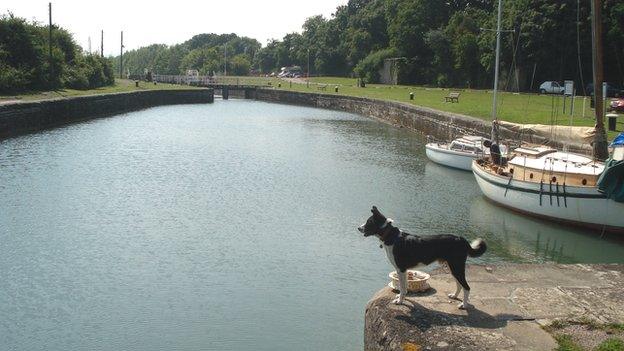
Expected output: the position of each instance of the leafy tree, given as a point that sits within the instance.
(239, 65)
(440, 43)
(26, 64)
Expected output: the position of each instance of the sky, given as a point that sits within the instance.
(170, 22)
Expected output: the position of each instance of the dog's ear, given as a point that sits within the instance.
(376, 212)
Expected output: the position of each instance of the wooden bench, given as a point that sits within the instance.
(452, 97)
(322, 87)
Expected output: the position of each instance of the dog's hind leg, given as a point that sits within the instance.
(458, 269)
(458, 289)
(402, 287)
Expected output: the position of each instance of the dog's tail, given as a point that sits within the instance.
(477, 248)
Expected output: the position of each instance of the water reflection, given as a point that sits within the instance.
(527, 238)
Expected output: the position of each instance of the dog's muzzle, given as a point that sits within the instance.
(361, 230)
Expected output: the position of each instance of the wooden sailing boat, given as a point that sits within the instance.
(560, 186)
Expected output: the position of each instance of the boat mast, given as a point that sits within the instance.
(600, 138)
(498, 36)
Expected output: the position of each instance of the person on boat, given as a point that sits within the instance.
(495, 152)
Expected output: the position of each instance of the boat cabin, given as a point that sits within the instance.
(543, 164)
(471, 144)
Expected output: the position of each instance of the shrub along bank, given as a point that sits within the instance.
(26, 64)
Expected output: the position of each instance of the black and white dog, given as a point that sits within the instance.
(408, 251)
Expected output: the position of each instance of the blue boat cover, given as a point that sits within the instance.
(611, 181)
(619, 140)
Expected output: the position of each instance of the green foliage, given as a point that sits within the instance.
(205, 60)
(369, 67)
(26, 64)
(13, 79)
(203, 52)
(239, 65)
(611, 345)
(442, 42)
(566, 343)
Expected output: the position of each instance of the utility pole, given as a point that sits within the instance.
(102, 44)
(50, 38)
(225, 66)
(308, 75)
(600, 138)
(121, 57)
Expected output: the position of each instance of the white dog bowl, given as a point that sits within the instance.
(417, 281)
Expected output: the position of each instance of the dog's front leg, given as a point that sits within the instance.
(402, 287)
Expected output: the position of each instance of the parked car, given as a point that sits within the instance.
(551, 87)
(612, 90)
(617, 105)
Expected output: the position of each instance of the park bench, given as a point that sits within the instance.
(322, 87)
(452, 97)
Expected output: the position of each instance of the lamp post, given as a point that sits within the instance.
(308, 75)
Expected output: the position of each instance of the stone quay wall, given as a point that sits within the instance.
(512, 306)
(25, 117)
(438, 124)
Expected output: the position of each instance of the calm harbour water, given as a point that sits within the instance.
(229, 226)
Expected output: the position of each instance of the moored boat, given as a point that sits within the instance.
(459, 153)
(556, 185)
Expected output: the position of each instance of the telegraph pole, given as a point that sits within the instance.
(225, 66)
(121, 57)
(601, 151)
(50, 38)
(102, 44)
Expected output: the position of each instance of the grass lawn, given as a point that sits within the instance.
(512, 107)
(121, 86)
(518, 108)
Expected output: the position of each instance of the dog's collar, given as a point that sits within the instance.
(388, 235)
(388, 221)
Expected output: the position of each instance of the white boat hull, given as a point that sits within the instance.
(583, 206)
(450, 158)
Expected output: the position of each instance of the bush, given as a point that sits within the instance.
(13, 79)
(76, 78)
(25, 64)
(368, 68)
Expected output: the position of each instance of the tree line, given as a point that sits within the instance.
(26, 63)
(451, 42)
(433, 42)
(205, 53)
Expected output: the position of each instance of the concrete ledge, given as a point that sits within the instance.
(24, 117)
(511, 304)
(440, 124)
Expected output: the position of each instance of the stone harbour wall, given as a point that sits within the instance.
(24, 117)
(438, 124)
(512, 307)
